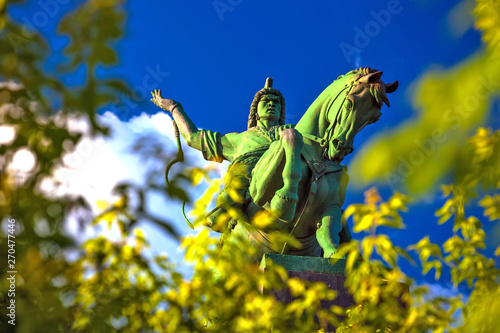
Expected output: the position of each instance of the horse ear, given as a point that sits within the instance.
(373, 77)
(391, 87)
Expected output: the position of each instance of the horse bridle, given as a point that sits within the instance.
(325, 141)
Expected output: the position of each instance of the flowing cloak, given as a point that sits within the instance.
(243, 150)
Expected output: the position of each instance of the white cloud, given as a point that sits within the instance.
(96, 165)
(439, 290)
(445, 291)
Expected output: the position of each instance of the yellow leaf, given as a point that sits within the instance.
(235, 195)
(197, 175)
(263, 219)
(120, 202)
(365, 223)
(102, 205)
(351, 260)
(398, 201)
(352, 209)
(297, 286)
(367, 246)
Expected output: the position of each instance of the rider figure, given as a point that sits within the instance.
(266, 124)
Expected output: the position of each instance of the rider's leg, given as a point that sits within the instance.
(267, 174)
(286, 198)
(277, 175)
(292, 171)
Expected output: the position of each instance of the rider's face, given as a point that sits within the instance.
(269, 107)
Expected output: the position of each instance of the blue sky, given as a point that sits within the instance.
(218, 54)
(212, 56)
(217, 60)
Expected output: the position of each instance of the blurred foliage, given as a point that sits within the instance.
(119, 284)
(451, 104)
(487, 14)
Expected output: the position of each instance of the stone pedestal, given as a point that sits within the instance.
(312, 269)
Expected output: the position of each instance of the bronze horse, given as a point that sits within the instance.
(292, 172)
(321, 139)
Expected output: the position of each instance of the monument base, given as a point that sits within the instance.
(312, 269)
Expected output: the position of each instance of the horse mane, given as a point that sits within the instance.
(361, 70)
(336, 101)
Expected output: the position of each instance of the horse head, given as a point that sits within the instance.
(344, 108)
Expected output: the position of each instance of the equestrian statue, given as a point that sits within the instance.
(291, 171)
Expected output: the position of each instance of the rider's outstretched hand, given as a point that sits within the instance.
(164, 103)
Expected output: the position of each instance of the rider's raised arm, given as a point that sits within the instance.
(213, 145)
(185, 124)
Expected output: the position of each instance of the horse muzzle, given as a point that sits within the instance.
(337, 154)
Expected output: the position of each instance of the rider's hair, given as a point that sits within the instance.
(254, 116)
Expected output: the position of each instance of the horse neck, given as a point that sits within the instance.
(315, 121)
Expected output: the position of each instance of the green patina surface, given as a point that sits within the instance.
(305, 264)
(267, 170)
